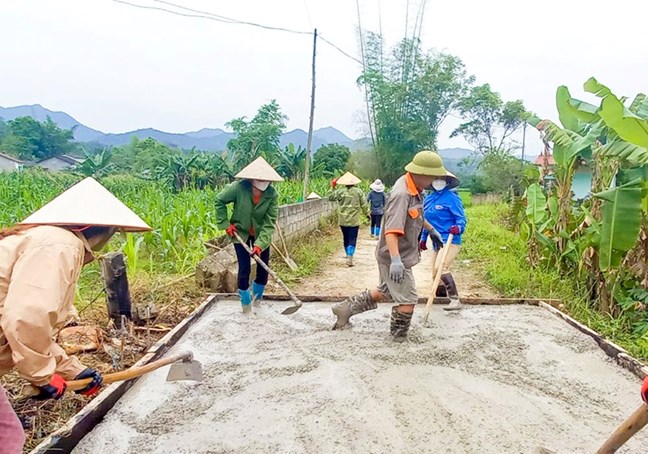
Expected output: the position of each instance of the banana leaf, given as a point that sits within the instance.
(629, 126)
(621, 221)
(572, 112)
(536, 204)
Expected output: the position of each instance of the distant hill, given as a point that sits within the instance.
(207, 139)
(81, 132)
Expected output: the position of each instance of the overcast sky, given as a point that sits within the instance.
(117, 68)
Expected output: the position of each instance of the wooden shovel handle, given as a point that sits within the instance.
(75, 385)
(626, 430)
(437, 276)
(267, 268)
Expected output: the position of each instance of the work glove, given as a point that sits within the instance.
(93, 386)
(256, 250)
(644, 390)
(53, 390)
(333, 183)
(455, 230)
(396, 269)
(423, 245)
(230, 230)
(437, 241)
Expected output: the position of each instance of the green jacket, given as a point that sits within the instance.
(261, 217)
(351, 202)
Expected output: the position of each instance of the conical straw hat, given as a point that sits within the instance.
(259, 169)
(452, 180)
(87, 203)
(348, 179)
(313, 196)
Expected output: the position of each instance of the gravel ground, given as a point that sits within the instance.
(487, 379)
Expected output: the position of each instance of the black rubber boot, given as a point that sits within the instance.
(400, 324)
(356, 304)
(453, 294)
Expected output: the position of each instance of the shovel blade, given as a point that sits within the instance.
(291, 309)
(185, 370)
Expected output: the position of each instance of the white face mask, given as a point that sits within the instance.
(439, 184)
(260, 185)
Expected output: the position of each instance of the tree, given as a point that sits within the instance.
(261, 134)
(409, 94)
(140, 155)
(490, 121)
(330, 159)
(95, 166)
(289, 162)
(29, 139)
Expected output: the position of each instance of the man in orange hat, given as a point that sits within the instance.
(40, 263)
(256, 207)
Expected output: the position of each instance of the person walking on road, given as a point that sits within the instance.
(255, 209)
(398, 249)
(352, 204)
(40, 263)
(445, 212)
(376, 199)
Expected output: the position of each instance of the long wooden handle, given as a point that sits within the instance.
(630, 426)
(437, 277)
(75, 385)
(267, 268)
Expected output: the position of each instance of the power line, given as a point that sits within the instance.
(209, 16)
(194, 13)
(338, 49)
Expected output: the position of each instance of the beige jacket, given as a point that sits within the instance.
(39, 269)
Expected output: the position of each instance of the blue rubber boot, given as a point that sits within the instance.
(246, 300)
(350, 250)
(377, 232)
(257, 293)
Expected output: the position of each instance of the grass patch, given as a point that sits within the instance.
(503, 257)
(309, 253)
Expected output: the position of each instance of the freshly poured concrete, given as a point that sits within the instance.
(484, 380)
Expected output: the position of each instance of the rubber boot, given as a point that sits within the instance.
(257, 293)
(350, 250)
(246, 300)
(451, 289)
(399, 324)
(356, 304)
(377, 232)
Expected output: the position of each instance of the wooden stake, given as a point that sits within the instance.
(113, 273)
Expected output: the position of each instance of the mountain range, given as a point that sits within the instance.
(207, 139)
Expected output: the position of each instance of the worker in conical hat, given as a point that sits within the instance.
(351, 204)
(397, 251)
(40, 262)
(255, 210)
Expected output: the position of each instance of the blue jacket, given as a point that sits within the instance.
(377, 201)
(443, 209)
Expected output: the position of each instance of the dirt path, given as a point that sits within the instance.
(487, 380)
(336, 278)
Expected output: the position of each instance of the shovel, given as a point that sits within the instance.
(288, 310)
(185, 368)
(437, 277)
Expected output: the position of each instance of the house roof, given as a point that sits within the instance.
(65, 158)
(11, 158)
(543, 160)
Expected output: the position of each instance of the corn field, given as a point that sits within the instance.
(182, 221)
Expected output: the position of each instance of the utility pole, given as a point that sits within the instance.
(309, 143)
(523, 141)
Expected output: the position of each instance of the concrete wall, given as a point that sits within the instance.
(8, 165)
(298, 219)
(218, 270)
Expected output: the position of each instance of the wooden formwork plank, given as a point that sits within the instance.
(67, 437)
(614, 351)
